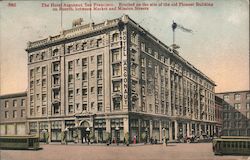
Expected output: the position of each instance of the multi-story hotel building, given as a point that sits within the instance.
(13, 114)
(236, 113)
(115, 77)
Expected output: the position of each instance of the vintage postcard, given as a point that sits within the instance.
(124, 79)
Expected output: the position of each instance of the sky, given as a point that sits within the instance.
(218, 46)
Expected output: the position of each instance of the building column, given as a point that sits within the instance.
(184, 129)
(151, 128)
(170, 131)
(176, 130)
(188, 129)
(108, 125)
(195, 129)
(139, 130)
(49, 131)
(200, 130)
(160, 128)
(63, 127)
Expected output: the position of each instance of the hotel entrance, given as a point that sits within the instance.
(84, 129)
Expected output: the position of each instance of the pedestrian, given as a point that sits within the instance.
(134, 140)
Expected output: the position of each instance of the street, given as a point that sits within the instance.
(198, 151)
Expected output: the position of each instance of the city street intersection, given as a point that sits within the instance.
(197, 151)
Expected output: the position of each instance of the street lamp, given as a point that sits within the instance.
(117, 130)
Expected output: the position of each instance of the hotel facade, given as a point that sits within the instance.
(115, 77)
(236, 113)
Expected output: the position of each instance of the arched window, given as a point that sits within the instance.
(55, 52)
(133, 37)
(115, 37)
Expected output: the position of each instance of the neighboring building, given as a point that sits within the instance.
(218, 115)
(236, 113)
(115, 77)
(13, 114)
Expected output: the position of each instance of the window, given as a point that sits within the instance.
(37, 69)
(117, 103)
(99, 74)
(55, 52)
(84, 46)
(150, 108)
(133, 70)
(14, 114)
(77, 106)
(42, 55)
(99, 42)
(6, 114)
(84, 107)
(56, 109)
(237, 96)
(31, 111)
(116, 56)
(43, 82)
(31, 58)
(226, 97)
(31, 73)
(143, 46)
(77, 76)
(84, 76)
(22, 112)
(38, 96)
(99, 91)
(117, 69)
(71, 93)
(43, 111)
(71, 108)
(84, 62)
(99, 107)
(38, 82)
(56, 94)
(14, 103)
(99, 60)
(149, 64)
(133, 37)
(92, 73)
(56, 80)
(43, 71)
(237, 106)
(143, 62)
(70, 65)
(70, 78)
(77, 91)
(248, 96)
(70, 48)
(44, 97)
(143, 90)
(37, 108)
(92, 59)
(31, 84)
(92, 105)
(248, 115)
(247, 106)
(115, 37)
(92, 89)
(22, 102)
(31, 98)
(56, 67)
(6, 104)
(84, 91)
(116, 86)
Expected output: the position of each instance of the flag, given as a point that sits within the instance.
(175, 25)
